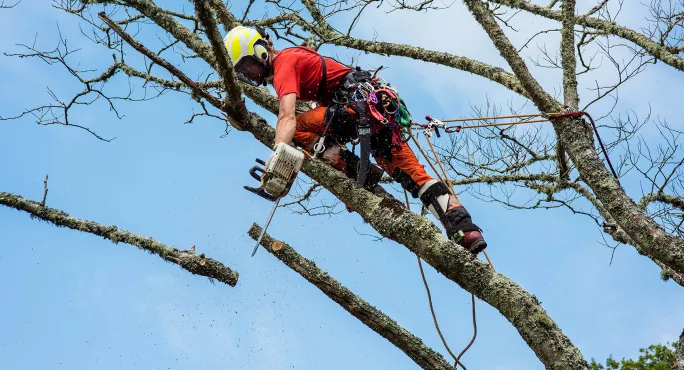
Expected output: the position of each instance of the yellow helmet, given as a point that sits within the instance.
(245, 42)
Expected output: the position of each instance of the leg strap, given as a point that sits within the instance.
(436, 198)
(406, 181)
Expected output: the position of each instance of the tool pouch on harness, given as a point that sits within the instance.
(339, 122)
(379, 116)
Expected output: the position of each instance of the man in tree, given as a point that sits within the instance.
(343, 116)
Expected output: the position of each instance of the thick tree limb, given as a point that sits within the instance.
(196, 264)
(651, 238)
(176, 72)
(569, 64)
(223, 64)
(424, 356)
(679, 354)
(663, 198)
(569, 61)
(657, 50)
(492, 73)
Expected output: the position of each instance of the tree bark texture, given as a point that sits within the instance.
(424, 356)
(578, 141)
(196, 264)
(655, 49)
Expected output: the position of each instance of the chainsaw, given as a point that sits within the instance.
(275, 178)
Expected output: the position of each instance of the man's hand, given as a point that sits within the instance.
(287, 124)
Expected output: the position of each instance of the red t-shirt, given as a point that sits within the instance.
(299, 70)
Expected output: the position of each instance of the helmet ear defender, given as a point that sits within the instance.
(262, 32)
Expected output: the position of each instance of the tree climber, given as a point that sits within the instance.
(353, 106)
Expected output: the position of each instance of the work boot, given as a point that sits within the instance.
(453, 216)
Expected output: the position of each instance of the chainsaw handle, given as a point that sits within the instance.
(256, 169)
(261, 192)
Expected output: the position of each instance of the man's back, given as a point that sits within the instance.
(299, 70)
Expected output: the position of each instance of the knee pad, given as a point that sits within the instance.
(437, 198)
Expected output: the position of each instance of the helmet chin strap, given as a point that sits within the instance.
(267, 70)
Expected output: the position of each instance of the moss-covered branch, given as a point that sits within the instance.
(672, 200)
(223, 63)
(679, 354)
(661, 52)
(665, 249)
(424, 356)
(569, 64)
(492, 73)
(196, 264)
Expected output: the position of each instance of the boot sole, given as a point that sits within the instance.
(478, 247)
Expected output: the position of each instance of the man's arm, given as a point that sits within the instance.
(286, 125)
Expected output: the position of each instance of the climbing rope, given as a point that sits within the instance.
(444, 179)
(434, 125)
(432, 308)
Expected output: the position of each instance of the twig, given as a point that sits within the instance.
(45, 191)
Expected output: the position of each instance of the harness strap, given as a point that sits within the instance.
(364, 133)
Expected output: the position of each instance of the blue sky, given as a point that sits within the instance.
(72, 300)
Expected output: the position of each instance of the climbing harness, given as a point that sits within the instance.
(381, 119)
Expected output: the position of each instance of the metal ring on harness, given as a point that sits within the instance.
(318, 148)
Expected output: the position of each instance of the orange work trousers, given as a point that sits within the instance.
(310, 126)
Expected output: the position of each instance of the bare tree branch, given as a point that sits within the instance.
(652, 239)
(223, 63)
(412, 346)
(175, 71)
(655, 49)
(5, 6)
(188, 260)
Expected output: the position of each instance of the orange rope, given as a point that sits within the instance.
(499, 124)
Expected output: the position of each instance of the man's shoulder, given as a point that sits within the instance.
(285, 55)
